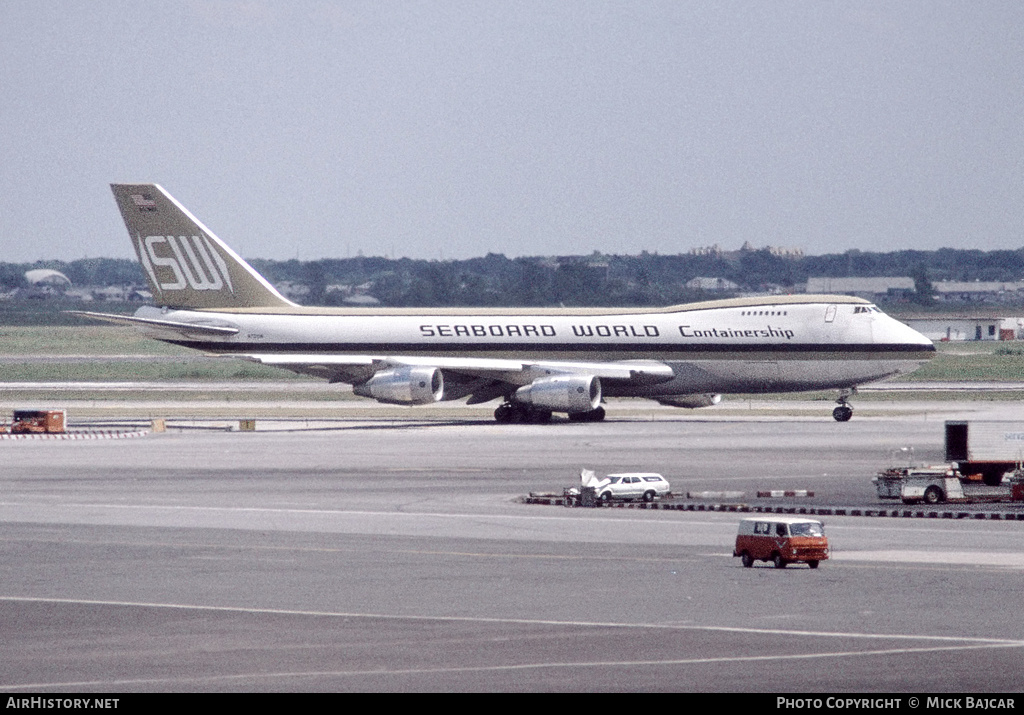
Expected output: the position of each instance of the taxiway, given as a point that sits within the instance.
(377, 556)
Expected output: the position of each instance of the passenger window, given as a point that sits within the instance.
(780, 529)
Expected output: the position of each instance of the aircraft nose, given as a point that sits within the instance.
(892, 331)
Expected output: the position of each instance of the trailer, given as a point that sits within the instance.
(943, 483)
(985, 448)
(38, 422)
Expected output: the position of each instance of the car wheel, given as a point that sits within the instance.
(606, 498)
(648, 497)
(813, 564)
(778, 561)
(933, 495)
(747, 559)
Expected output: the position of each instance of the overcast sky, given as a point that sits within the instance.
(450, 129)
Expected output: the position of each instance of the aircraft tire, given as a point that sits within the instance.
(595, 415)
(507, 414)
(843, 413)
(538, 417)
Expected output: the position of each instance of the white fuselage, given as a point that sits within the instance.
(723, 347)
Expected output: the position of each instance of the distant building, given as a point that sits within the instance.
(706, 251)
(352, 295)
(47, 277)
(870, 288)
(979, 291)
(293, 290)
(43, 283)
(786, 251)
(712, 285)
(361, 300)
(954, 327)
(747, 247)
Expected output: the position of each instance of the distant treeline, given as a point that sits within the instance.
(596, 280)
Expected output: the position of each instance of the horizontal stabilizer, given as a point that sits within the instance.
(176, 326)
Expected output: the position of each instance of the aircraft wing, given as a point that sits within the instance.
(484, 378)
(523, 372)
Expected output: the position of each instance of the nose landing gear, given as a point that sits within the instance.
(844, 412)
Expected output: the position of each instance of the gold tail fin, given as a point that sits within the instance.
(186, 264)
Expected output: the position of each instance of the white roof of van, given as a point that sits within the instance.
(783, 519)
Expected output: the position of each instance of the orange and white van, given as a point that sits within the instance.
(782, 540)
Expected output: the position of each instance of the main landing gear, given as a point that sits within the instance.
(844, 412)
(518, 413)
(595, 415)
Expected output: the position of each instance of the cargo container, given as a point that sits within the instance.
(985, 448)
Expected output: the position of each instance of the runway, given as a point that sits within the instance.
(397, 556)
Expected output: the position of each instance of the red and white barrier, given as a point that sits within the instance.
(99, 434)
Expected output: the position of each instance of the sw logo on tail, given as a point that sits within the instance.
(194, 263)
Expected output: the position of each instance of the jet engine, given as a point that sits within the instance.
(562, 393)
(404, 386)
(690, 401)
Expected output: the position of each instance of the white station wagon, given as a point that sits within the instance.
(644, 485)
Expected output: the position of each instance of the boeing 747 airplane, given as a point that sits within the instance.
(536, 361)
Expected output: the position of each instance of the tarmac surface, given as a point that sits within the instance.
(372, 554)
